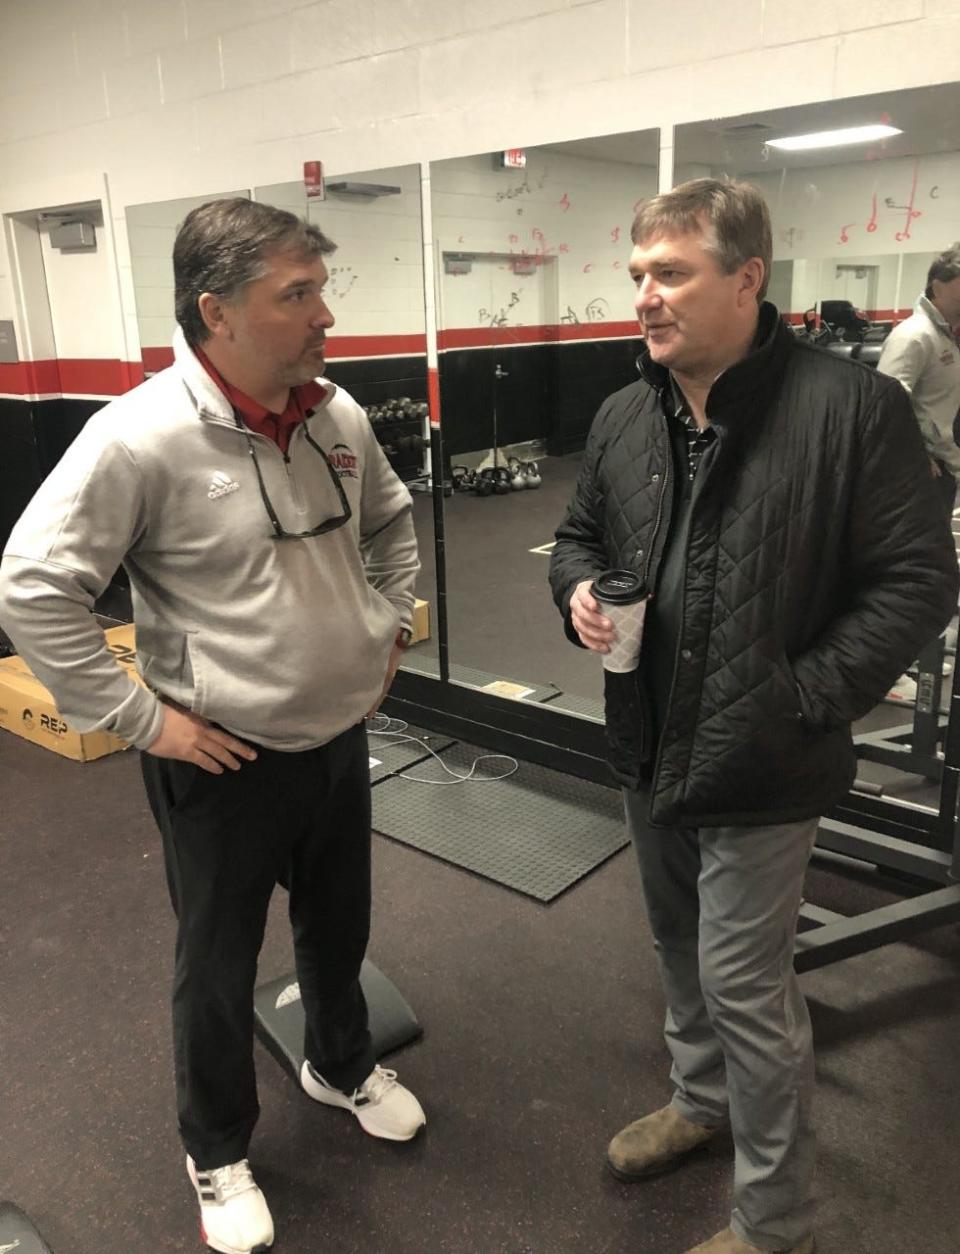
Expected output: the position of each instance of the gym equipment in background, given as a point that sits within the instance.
(279, 1021)
(18, 1234)
(869, 354)
(531, 475)
(848, 323)
(498, 477)
(846, 334)
(398, 424)
(916, 747)
(498, 374)
(465, 480)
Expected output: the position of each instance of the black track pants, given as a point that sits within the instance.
(299, 819)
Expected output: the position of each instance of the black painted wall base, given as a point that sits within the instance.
(550, 392)
(33, 437)
(373, 380)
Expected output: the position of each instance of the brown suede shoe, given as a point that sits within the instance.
(727, 1242)
(655, 1144)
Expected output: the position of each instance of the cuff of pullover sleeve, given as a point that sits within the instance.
(140, 719)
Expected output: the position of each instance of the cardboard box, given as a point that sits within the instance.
(420, 626)
(28, 710)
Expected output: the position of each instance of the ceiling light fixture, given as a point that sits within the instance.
(834, 139)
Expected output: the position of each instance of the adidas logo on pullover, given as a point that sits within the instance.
(221, 484)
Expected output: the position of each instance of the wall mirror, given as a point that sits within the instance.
(855, 228)
(535, 328)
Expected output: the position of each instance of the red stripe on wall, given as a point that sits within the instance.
(375, 346)
(549, 333)
(106, 378)
(599, 330)
(73, 375)
(30, 377)
(111, 377)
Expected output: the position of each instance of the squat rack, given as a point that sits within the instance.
(918, 844)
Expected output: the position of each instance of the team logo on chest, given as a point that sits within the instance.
(344, 461)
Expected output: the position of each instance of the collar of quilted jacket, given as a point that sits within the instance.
(758, 372)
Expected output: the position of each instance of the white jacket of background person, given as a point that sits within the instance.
(922, 353)
(282, 642)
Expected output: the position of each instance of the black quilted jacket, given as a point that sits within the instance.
(818, 565)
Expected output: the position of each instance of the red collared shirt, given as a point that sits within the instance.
(276, 427)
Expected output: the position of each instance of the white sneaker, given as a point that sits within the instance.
(383, 1107)
(234, 1217)
(903, 692)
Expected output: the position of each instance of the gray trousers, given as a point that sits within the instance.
(722, 904)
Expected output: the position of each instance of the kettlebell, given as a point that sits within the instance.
(515, 471)
(483, 483)
(499, 479)
(531, 475)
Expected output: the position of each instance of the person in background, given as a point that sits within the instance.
(778, 506)
(271, 556)
(922, 354)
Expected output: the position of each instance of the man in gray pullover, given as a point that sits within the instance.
(272, 557)
(922, 353)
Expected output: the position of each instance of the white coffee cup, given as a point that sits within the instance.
(622, 597)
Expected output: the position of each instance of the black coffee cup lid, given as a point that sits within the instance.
(618, 587)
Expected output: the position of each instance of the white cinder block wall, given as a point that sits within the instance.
(131, 101)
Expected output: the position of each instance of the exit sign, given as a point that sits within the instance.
(313, 180)
(513, 159)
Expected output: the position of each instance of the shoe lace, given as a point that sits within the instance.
(378, 1083)
(233, 1179)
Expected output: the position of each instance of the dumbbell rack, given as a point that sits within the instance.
(399, 425)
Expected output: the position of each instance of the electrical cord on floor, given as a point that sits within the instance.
(394, 729)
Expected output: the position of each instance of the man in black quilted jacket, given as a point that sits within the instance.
(777, 503)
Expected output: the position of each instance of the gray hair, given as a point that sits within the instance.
(736, 213)
(945, 268)
(223, 245)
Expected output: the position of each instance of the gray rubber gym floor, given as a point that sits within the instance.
(542, 1022)
(542, 1038)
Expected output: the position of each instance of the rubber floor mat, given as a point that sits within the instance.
(538, 831)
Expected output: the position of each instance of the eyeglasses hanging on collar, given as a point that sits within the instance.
(279, 531)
